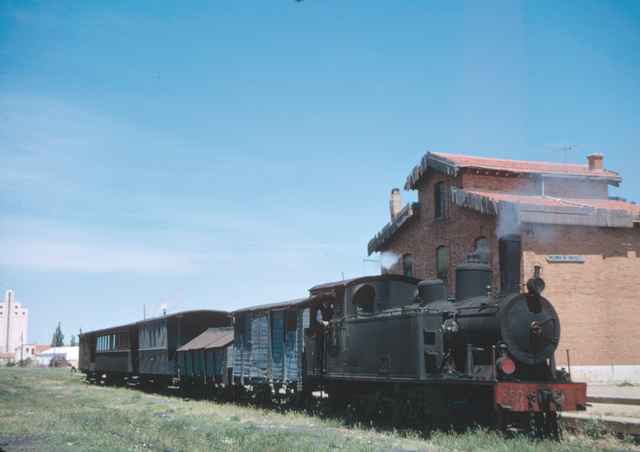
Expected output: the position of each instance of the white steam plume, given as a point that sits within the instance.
(388, 259)
(508, 221)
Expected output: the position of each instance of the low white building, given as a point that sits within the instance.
(69, 353)
(29, 351)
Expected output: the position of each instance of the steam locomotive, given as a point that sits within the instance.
(387, 348)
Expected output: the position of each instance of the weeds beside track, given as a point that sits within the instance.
(54, 410)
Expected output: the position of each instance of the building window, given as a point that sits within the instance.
(439, 200)
(407, 265)
(442, 263)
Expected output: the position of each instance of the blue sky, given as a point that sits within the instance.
(222, 154)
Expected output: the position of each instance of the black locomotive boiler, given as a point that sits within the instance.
(476, 358)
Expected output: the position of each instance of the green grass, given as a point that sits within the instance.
(52, 410)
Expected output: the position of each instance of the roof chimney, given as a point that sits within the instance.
(395, 203)
(595, 162)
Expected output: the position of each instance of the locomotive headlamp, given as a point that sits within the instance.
(506, 365)
(450, 326)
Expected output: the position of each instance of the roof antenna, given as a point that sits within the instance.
(564, 149)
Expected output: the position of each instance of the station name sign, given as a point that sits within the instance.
(568, 258)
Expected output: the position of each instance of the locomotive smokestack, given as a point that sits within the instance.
(596, 162)
(395, 203)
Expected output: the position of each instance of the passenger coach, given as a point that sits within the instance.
(145, 350)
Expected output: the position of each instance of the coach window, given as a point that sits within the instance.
(163, 335)
(439, 200)
(407, 265)
(123, 341)
(442, 264)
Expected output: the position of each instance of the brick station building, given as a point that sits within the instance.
(523, 214)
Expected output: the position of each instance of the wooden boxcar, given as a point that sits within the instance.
(269, 342)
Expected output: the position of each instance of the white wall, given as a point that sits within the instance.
(69, 353)
(606, 374)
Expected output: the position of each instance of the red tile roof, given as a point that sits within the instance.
(41, 347)
(538, 200)
(523, 166)
(407, 213)
(453, 162)
(552, 210)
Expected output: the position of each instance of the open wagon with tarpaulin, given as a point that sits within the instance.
(206, 361)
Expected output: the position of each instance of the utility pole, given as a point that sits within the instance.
(7, 347)
(144, 312)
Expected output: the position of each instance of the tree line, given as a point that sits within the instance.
(58, 338)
